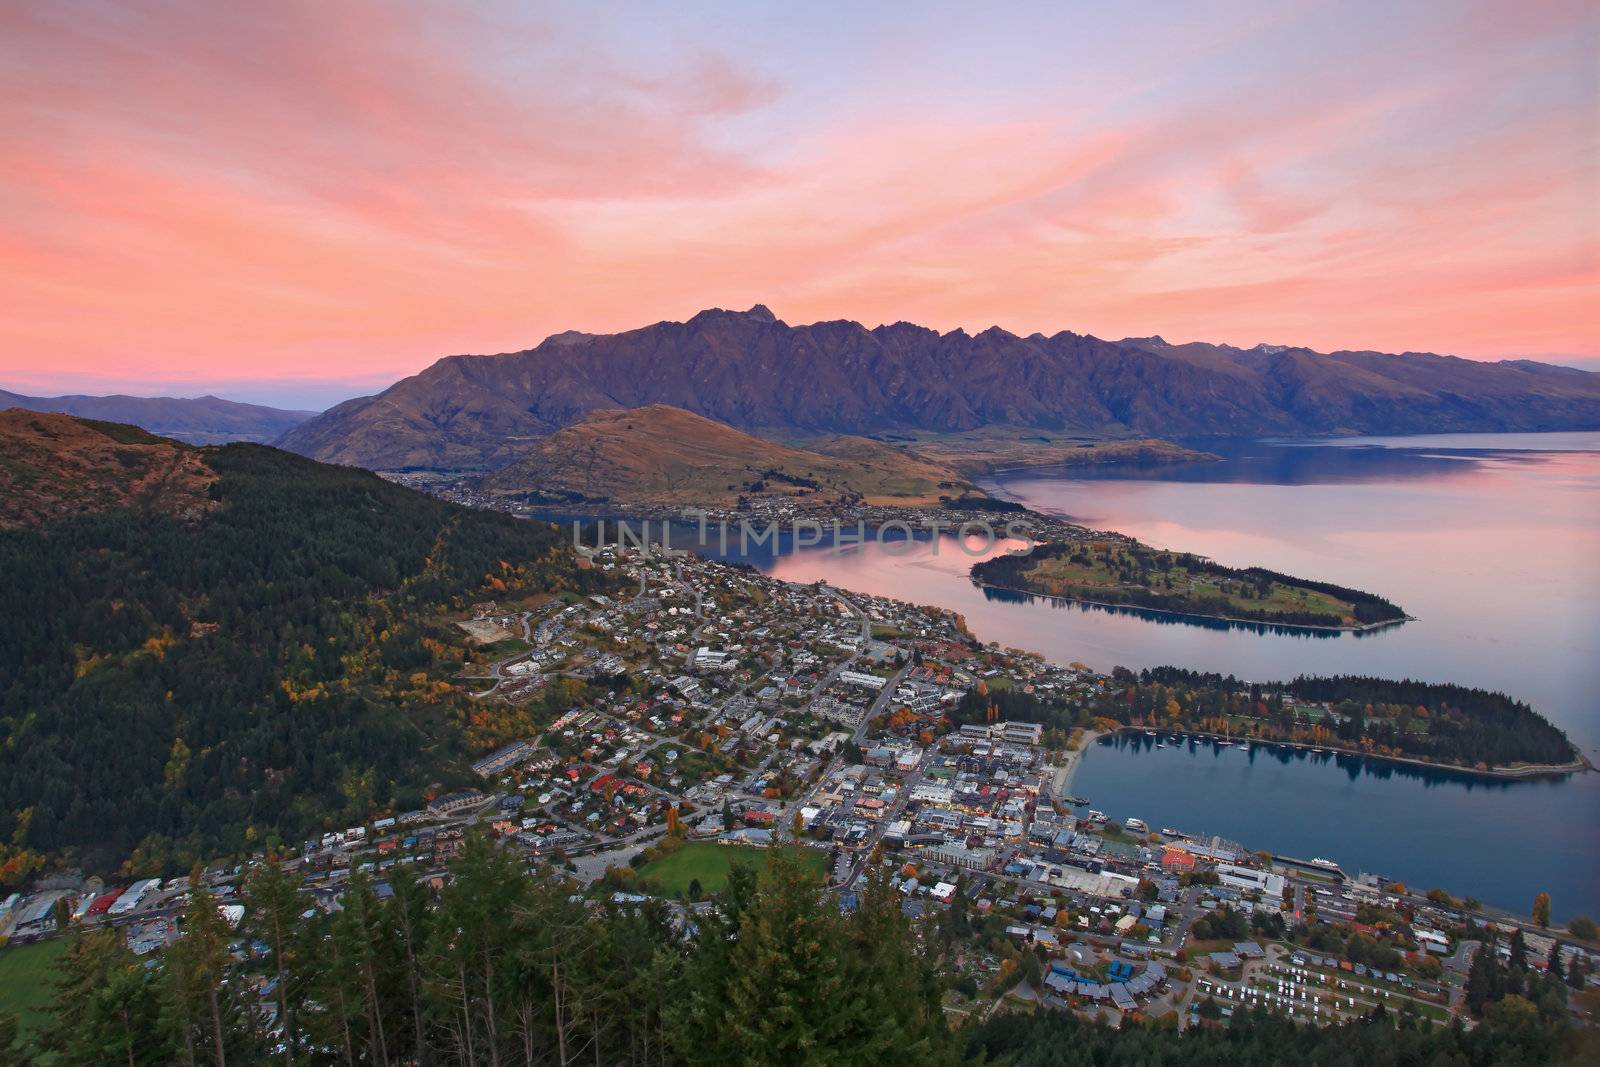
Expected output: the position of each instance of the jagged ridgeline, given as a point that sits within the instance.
(188, 668)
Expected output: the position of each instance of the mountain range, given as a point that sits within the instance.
(202, 420)
(761, 375)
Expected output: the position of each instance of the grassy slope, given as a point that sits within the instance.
(55, 465)
(980, 452)
(25, 977)
(1062, 577)
(665, 455)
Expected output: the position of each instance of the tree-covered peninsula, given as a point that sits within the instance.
(1103, 569)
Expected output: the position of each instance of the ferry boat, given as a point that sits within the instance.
(1137, 826)
(1327, 865)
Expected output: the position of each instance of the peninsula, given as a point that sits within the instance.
(1120, 572)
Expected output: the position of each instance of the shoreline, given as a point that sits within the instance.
(1350, 628)
(1511, 772)
(1064, 773)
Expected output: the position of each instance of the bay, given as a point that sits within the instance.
(1492, 542)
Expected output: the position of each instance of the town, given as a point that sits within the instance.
(742, 713)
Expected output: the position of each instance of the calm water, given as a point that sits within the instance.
(1491, 541)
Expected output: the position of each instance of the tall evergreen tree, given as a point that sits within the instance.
(1516, 972)
(698, 1011)
(208, 1012)
(1484, 979)
(106, 1008)
(897, 990)
(787, 1001)
(272, 916)
(471, 948)
(408, 920)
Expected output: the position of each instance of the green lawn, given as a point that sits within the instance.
(25, 977)
(710, 863)
(509, 646)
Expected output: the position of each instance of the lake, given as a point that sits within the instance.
(1491, 541)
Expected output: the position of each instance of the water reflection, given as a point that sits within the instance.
(1171, 618)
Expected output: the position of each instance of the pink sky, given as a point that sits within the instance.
(307, 200)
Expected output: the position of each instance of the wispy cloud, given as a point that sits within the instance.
(344, 192)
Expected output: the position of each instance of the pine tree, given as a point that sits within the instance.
(471, 946)
(1484, 980)
(697, 1012)
(408, 919)
(1577, 970)
(639, 967)
(11, 1047)
(207, 1012)
(106, 1009)
(272, 916)
(897, 1013)
(360, 929)
(788, 999)
(1517, 964)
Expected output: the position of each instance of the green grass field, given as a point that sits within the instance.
(710, 863)
(25, 978)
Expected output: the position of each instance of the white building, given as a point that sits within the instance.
(861, 679)
(1246, 879)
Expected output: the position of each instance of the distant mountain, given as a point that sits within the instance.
(665, 455)
(755, 372)
(202, 420)
(55, 465)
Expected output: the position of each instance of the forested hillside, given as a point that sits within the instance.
(180, 685)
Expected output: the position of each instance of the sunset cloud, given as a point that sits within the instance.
(197, 193)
